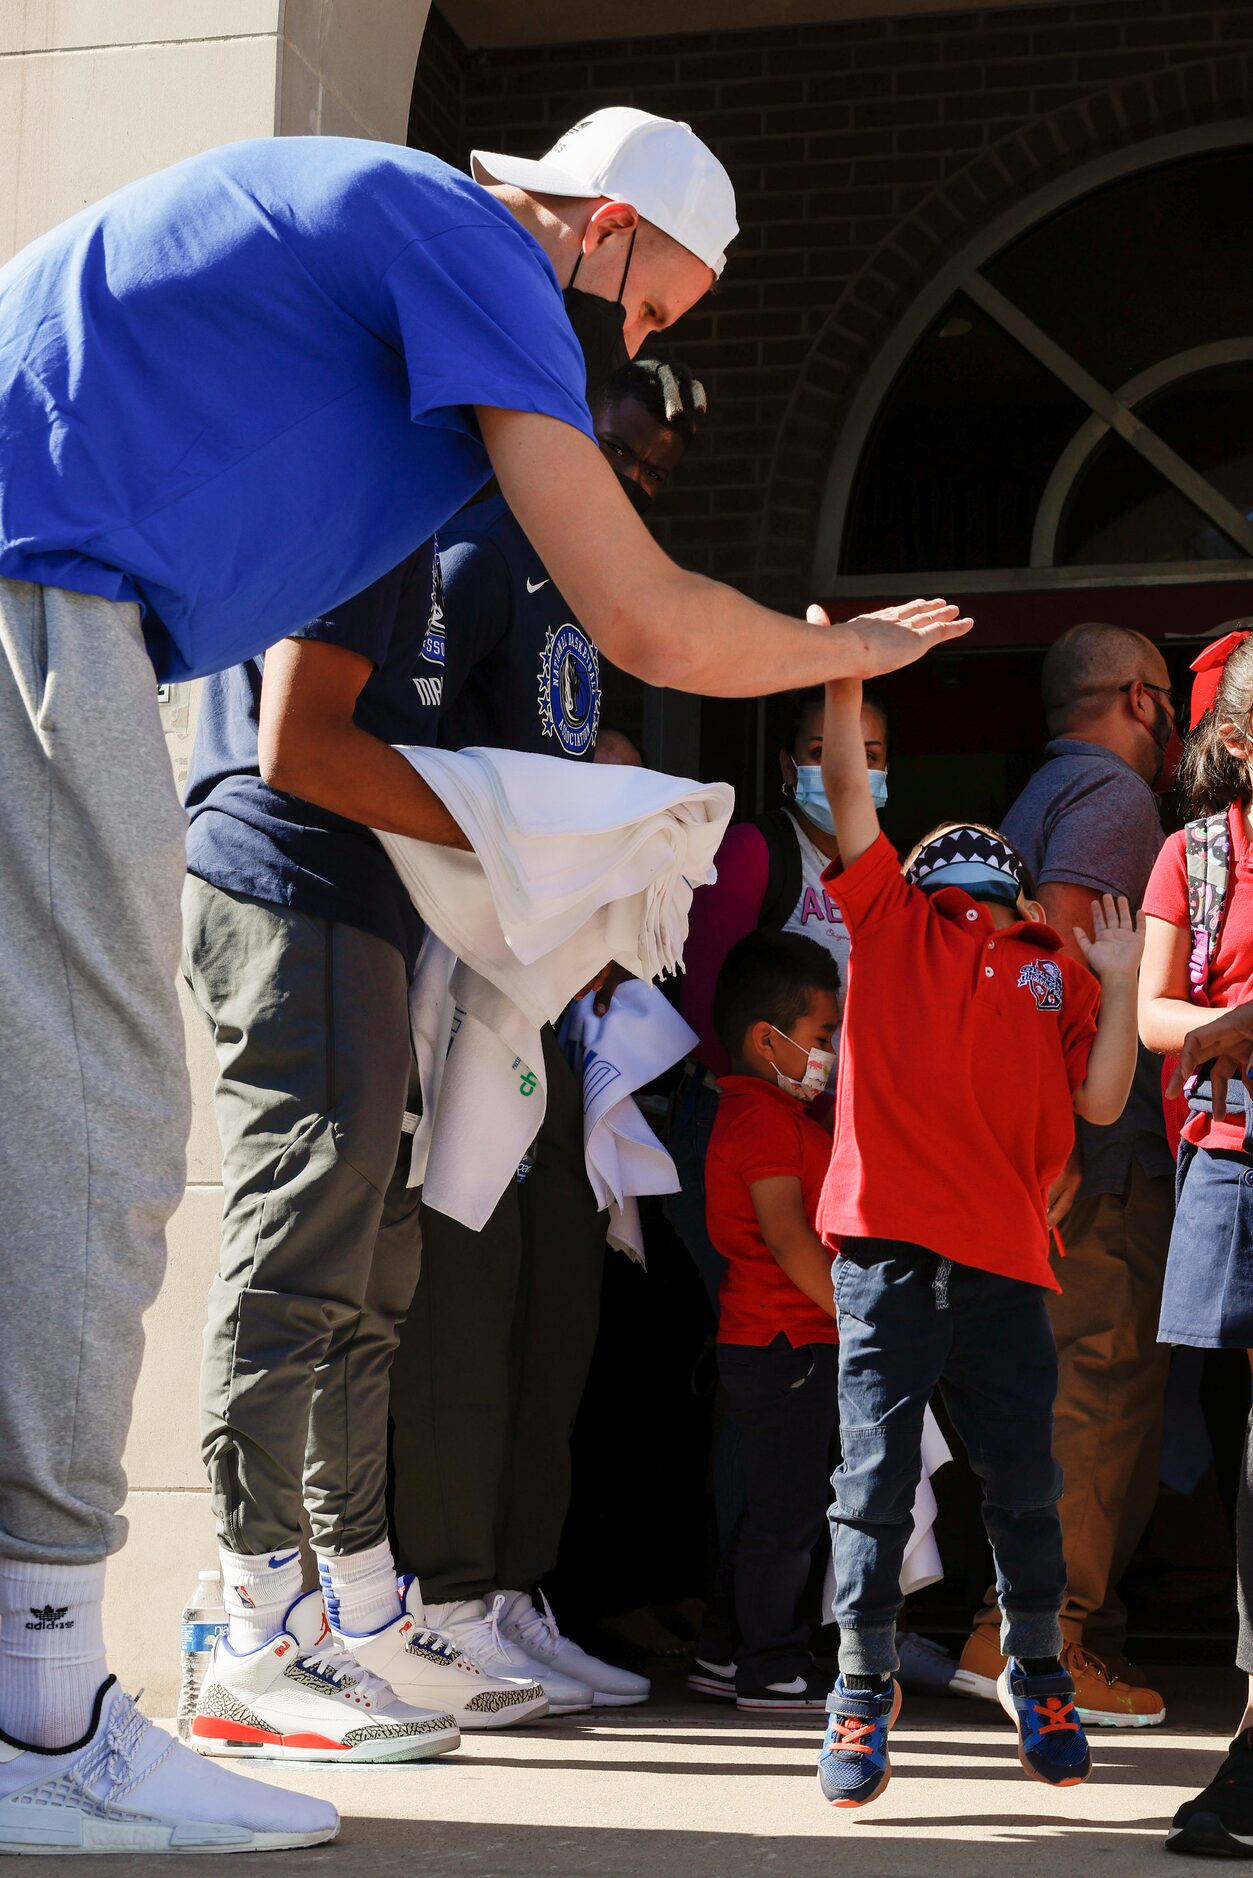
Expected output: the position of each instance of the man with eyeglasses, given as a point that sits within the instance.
(1086, 824)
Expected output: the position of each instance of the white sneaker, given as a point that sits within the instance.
(128, 1787)
(477, 1631)
(433, 1671)
(536, 1632)
(300, 1697)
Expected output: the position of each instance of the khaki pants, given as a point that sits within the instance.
(320, 1239)
(1107, 1425)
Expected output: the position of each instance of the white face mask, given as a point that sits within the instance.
(819, 1067)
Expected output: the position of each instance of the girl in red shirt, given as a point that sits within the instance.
(1198, 957)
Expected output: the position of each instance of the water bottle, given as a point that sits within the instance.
(203, 1621)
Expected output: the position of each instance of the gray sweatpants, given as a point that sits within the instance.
(94, 1101)
(320, 1240)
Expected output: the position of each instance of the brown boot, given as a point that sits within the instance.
(1103, 1699)
(981, 1664)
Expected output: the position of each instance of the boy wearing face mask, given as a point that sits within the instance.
(776, 1008)
(937, 1205)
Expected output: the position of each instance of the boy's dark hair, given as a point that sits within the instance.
(795, 707)
(770, 976)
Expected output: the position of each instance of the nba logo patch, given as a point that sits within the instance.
(433, 639)
(569, 689)
(1043, 979)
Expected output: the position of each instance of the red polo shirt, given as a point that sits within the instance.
(961, 1051)
(761, 1131)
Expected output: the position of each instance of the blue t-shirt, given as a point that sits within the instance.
(251, 839)
(238, 391)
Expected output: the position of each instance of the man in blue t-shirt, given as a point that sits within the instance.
(232, 394)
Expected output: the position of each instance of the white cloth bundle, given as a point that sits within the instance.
(571, 868)
(922, 1564)
(638, 1037)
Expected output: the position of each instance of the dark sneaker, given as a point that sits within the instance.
(1051, 1743)
(1220, 1819)
(716, 1679)
(797, 1695)
(854, 1768)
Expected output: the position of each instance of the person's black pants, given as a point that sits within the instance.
(784, 1403)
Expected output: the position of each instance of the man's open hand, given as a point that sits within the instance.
(1226, 1042)
(898, 635)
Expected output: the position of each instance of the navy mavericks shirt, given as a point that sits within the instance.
(519, 672)
(251, 839)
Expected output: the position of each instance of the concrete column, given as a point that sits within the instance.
(94, 93)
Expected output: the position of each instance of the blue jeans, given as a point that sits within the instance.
(910, 1322)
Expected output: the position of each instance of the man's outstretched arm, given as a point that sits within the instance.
(656, 620)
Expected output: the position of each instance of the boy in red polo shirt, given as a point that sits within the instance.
(969, 1042)
(775, 1007)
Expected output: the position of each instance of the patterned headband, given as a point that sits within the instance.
(982, 865)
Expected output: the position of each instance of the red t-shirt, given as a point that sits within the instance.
(961, 1051)
(1230, 978)
(761, 1131)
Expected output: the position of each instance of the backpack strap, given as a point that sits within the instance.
(1207, 858)
(785, 877)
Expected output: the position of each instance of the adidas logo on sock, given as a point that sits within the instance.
(50, 1618)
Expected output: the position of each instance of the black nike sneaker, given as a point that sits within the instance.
(1220, 1819)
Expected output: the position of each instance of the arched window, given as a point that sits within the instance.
(1072, 401)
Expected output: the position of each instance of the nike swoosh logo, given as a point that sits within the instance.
(534, 587)
(274, 1563)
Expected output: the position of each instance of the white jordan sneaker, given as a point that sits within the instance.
(431, 1670)
(536, 1632)
(478, 1632)
(300, 1697)
(127, 1787)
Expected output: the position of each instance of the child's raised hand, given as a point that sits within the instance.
(1117, 941)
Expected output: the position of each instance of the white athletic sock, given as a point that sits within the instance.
(360, 1590)
(258, 1593)
(51, 1650)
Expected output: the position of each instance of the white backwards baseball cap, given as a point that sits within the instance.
(659, 166)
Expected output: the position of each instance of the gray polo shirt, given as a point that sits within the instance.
(1088, 818)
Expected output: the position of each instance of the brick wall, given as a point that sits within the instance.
(862, 154)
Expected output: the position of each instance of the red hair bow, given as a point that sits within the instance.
(1209, 672)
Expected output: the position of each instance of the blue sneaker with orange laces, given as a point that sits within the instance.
(1051, 1743)
(854, 1768)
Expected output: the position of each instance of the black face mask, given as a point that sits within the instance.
(600, 327)
(636, 494)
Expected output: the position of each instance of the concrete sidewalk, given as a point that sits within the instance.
(682, 1787)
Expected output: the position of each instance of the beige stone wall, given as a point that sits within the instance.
(94, 93)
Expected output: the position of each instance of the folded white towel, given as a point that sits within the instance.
(570, 868)
(637, 1038)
